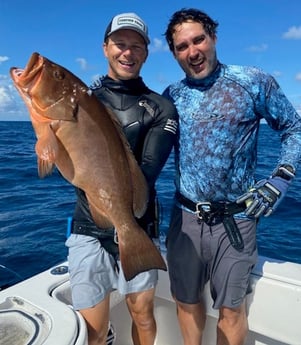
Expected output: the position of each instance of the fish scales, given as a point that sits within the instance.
(82, 138)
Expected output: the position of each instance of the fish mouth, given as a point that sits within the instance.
(26, 78)
(45, 91)
(27, 81)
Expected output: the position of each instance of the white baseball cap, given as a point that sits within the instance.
(128, 21)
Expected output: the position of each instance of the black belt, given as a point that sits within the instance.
(203, 207)
(90, 229)
(213, 213)
(107, 237)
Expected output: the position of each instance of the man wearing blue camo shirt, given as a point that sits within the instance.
(212, 234)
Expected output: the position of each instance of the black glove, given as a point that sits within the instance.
(267, 194)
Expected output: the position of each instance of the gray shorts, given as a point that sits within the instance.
(93, 274)
(198, 253)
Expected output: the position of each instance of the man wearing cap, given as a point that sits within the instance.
(149, 122)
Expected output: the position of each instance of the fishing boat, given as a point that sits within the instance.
(39, 310)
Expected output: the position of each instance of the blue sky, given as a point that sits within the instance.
(262, 33)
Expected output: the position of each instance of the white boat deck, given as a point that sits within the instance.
(38, 310)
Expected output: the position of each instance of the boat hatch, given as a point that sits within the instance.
(22, 323)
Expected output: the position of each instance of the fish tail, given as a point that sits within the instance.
(139, 254)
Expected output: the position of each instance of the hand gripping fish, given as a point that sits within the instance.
(83, 139)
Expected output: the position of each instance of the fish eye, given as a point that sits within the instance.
(58, 75)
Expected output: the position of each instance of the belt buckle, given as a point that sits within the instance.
(202, 209)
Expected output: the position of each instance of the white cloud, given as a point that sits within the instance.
(257, 49)
(3, 78)
(158, 45)
(3, 59)
(11, 105)
(298, 76)
(6, 92)
(277, 74)
(83, 63)
(5, 97)
(293, 33)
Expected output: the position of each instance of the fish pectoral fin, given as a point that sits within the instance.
(138, 253)
(47, 150)
(44, 168)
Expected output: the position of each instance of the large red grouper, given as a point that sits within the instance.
(84, 140)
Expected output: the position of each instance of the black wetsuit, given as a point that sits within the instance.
(149, 122)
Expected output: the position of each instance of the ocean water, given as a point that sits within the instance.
(34, 211)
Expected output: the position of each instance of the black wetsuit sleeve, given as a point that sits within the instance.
(159, 142)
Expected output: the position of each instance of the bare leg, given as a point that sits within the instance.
(232, 326)
(141, 308)
(192, 320)
(97, 320)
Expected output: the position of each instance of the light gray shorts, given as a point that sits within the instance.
(93, 274)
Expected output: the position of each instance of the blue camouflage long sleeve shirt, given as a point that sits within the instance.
(219, 119)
